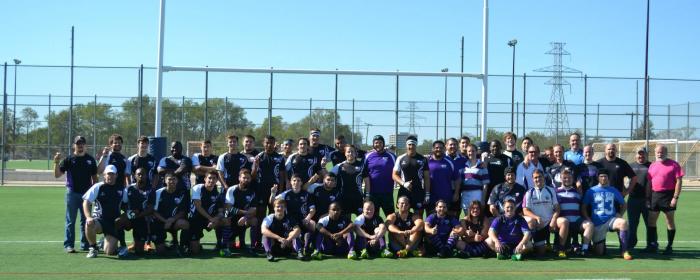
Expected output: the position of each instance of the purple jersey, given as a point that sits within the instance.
(379, 167)
(444, 224)
(442, 174)
(510, 230)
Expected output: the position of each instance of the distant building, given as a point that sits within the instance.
(399, 140)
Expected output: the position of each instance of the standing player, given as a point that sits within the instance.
(280, 233)
(231, 163)
(405, 230)
(464, 142)
(474, 177)
(239, 213)
(574, 154)
(204, 211)
(525, 145)
(204, 162)
(335, 235)
(377, 172)
(300, 208)
(453, 153)
(323, 194)
(510, 139)
(142, 159)
(442, 231)
(637, 200)
(286, 148)
(320, 151)
(304, 163)
(553, 178)
(496, 163)
(603, 200)
(618, 169)
(178, 164)
(170, 205)
(349, 175)
(666, 177)
(509, 234)
(541, 208)
(112, 155)
(444, 179)
(526, 168)
(138, 213)
(249, 149)
(269, 173)
(81, 169)
(505, 191)
(106, 197)
(370, 230)
(412, 173)
(588, 171)
(570, 204)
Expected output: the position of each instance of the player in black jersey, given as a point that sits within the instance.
(300, 207)
(475, 230)
(370, 230)
(178, 164)
(405, 229)
(338, 155)
(320, 151)
(304, 163)
(170, 205)
(281, 233)
(137, 214)
(142, 159)
(204, 162)
(249, 149)
(335, 235)
(106, 197)
(412, 173)
(349, 175)
(323, 194)
(268, 173)
(205, 212)
(112, 155)
(231, 163)
(286, 148)
(239, 213)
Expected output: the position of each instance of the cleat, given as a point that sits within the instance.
(352, 256)
(301, 256)
(517, 257)
(123, 252)
(583, 253)
(364, 254)
(562, 254)
(69, 250)
(269, 257)
(225, 252)
(627, 256)
(172, 245)
(92, 253)
(501, 256)
(387, 254)
(402, 253)
(417, 253)
(316, 255)
(668, 251)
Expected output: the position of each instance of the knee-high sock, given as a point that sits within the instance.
(351, 242)
(623, 240)
(476, 249)
(120, 235)
(217, 232)
(451, 242)
(307, 240)
(255, 236)
(436, 241)
(185, 237)
(671, 235)
(382, 243)
(226, 234)
(267, 244)
(361, 243)
(653, 237)
(297, 244)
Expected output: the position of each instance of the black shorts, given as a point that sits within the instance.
(416, 196)
(262, 194)
(197, 227)
(351, 204)
(540, 237)
(661, 201)
(385, 201)
(139, 229)
(157, 233)
(107, 225)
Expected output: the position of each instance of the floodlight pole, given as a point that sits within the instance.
(159, 71)
(485, 71)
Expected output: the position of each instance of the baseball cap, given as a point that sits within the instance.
(508, 169)
(603, 171)
(79, 140)
(110, 169)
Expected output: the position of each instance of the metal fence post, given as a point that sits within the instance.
(668, 121)
(269, 106)
(352, 135)
(687, 122)
(48, 136)
(140, 116)
(477, 119)
(517, 117)
(556, 126)
(524, 91)
(226, 114)
(597, 122)
(311, 101)
(335, 111)
(4, 117)
(182, 121)
(437, 118)
(206, 104)
(94, 126)
(396, 113)
(585, 109)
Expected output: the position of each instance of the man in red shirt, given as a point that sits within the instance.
(665, 176)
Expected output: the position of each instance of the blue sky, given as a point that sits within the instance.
(606, 38)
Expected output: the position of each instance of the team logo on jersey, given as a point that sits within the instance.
(151, 163)
(310, 161)
(213, 198)
(120, 193)
(88, 161)
(332, 198)
(277, 160)
(385, 159)
(443, 165)
(177, 200)
(248, 198)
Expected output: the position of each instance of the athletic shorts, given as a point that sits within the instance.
(263, 195)
(107, 225)
(139, 229)
(661, 201)
(416, 196)
(385, 201)
(197, 227)
(576, 227)
(540, 236)
(351, 205)
(468, 196)
(601, 231)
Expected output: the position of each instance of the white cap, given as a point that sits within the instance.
(110, 169)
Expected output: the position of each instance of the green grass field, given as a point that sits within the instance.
(32, 232)
(37, 164)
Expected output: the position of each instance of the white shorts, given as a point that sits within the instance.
(601, 231)
(468, 197)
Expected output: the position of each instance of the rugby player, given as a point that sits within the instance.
(570, 204)
(377, 172)
(472, 242)
(444, 179)
(555, 168)
(177, 164)
(112, 155)
(405, 230)
(170, 205)
(304, 163)
(143, 159)
(666, 177)
(509, 234)
(323, 194)
(504, 191)
(106, 197)
(335, 235)
(637, 200)
(588, 171)
(268, 172)
(230, 164)
(474, 179)
(574, 154)
(510, 139)
(412, 173)
(205, 211)
(204, 162)
(239, 214)
(618, 169)
(280, 233)
(442, 231)
(138, 214)
(300, 208)
(349, 175)
(526, 168)
(541, 209)
(370, 230)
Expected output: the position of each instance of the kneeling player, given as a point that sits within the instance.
(570, 204)
(509, 234)
(442, 230)
(240, 213)
(370, 230)
(299, 207)
(138, 213)
(602, 200)
(473, 240)
(170, 205)
(204, 212)
(334, 234)
(541, 210)
(405, 229)
(106, 197)
(280, 233)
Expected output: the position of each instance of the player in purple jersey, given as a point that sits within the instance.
(370, 230)
(335, 236)
(444, 179)
(405, 230)
(603, 201)
(280, 233)
(442, 231)
(472, 242)
(509, 234)
(377, 174)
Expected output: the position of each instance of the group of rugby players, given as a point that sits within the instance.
(288, 203)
